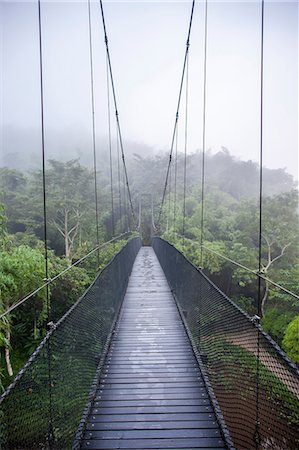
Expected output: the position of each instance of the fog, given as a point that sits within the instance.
(147, 42)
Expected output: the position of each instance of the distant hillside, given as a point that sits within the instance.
(229, 174)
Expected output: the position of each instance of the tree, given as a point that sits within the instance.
(22, 269)
(291, 340)
(13, 194)
(70, 204)
(279, 234)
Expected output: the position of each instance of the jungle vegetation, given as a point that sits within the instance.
(230, 228)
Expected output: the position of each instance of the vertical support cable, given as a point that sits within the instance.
(175, 179)
(119, 180)
(110, 147)
(139, 216)
(153, 233)
(49, 353)
(257, 437)
(185, 150)
(168, 206)
(125, 202)
(93, 134)
(204, 133)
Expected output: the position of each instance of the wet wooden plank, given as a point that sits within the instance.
(154, 425)
(151, 394)
(149, 402)
(154, 434)
(204, 443)
(185, 394)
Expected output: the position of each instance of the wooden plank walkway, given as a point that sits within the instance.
(151, 393)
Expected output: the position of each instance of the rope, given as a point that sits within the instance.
(257, 436)
(185, 151)
(110, 147)
(60, 274)
(204, 133)
(93, 132)
(177, 112)
(117, 115)
(51, 437)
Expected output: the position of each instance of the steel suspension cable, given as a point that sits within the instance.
(257, 436)
(110, 147)
(51, 437)
(139, 213)
(119, 178)
(93, 132)
(204, 132)
(175, 179)
(125, 202)
(168, 207)
(177, 112)
(117, 115)
(45, 225)
(185, 150)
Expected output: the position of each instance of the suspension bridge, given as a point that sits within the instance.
(153, 355)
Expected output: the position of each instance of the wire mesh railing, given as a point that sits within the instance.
(255, 383)
(42, 408)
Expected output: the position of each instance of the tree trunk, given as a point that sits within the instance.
(66, 236)
(7, 355)
(264, 299)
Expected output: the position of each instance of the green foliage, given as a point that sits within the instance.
(245, 303)
(22, 269)
(291, 340)
(107, 253)
(2, 222)
(277, 392)
(68, 288)
(230, 228)
(276, 321)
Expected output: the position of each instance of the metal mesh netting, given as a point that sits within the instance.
(252, 385)
(44, 405)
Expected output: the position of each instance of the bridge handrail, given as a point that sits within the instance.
(248, 371)
(60, 371)
(251, 319)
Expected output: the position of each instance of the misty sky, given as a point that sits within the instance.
(147, 42)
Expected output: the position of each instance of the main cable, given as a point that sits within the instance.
(177, 112)
(117, 115)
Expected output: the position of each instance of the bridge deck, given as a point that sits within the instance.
(151, 393)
